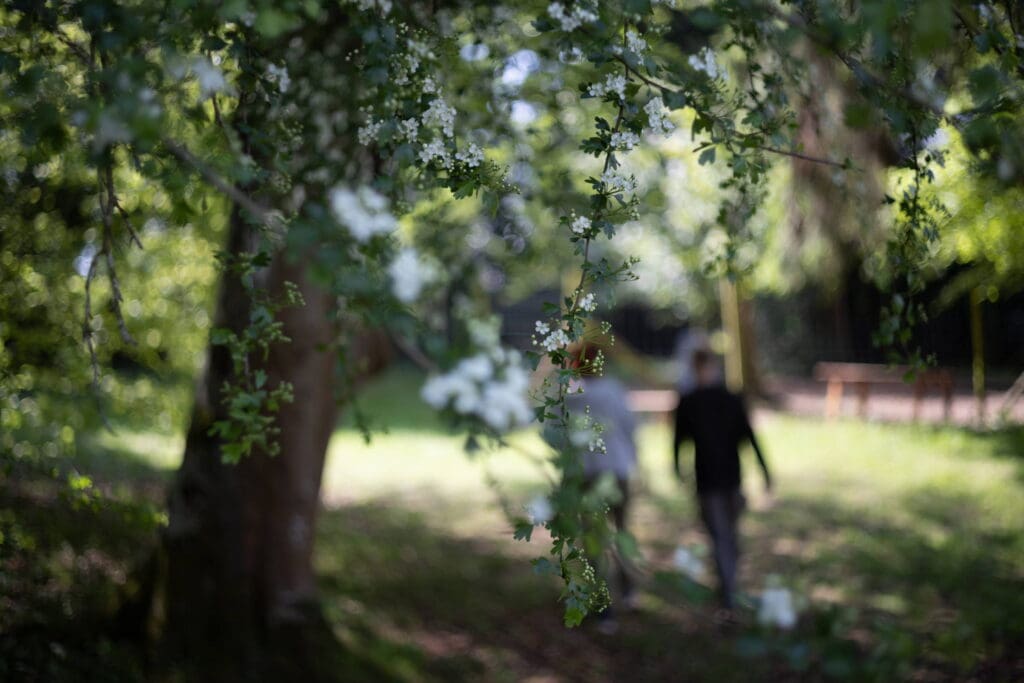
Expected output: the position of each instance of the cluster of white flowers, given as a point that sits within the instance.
(364, 212)
(539, 510)
(210, 78)
(570, 21)
(441, 114)
(573, 55)
(429, 86)
(551, 340)
(705, 61)
(410, 128)
(472, 156)
(435, 149)
(368, 134)
(588, 303)
(657, 116)
(618, 182)
(613, 83)
(688, 562)
(491, 385)
(410, 273)
(634, 43)
(279, 74)
(777, 606)
(383, 5)
(580, 225)
(624, 140)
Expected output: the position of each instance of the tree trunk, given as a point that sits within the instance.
(238, 547)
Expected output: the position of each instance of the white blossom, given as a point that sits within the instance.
(383, 5)
(542, 327)
(580, 225)
(657, 116)
(429, 86)
(624, 140)
(491, 386)
(477, 368)
(410, 273)
(279, 74)
(635, 43)
(588, 303)
(472, 156)
(555, 340)
(705, 61)
(617, 182)
(367, 134)
(364, 212)
(539, 510)
(435, 149)
(440, 114)
(505, 402)
(409, 128)
(570, 21)
(613, 83)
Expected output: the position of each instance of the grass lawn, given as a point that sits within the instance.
(906, 542)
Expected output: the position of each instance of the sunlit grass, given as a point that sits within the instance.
(912, 528)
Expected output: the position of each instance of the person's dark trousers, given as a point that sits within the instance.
(720, 511)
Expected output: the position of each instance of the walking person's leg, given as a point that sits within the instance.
(717, 510)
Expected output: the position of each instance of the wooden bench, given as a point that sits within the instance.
(863, 375)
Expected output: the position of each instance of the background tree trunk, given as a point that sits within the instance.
(239, 543)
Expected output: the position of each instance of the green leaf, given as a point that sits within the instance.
(523, 531)
(707, 156)
(932, 25)
(637, 6)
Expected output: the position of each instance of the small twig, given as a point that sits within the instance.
(803, 157)
(647, 80)
(133, 236)
(106, 212)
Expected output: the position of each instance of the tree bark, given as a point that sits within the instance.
(240, 537)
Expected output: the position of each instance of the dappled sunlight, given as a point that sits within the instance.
(904, 525)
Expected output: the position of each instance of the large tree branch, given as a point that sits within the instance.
(262, 213)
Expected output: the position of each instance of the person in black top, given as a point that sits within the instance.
(715, 419)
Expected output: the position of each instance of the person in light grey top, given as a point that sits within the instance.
(606, 399)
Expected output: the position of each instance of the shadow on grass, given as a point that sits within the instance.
(943, 582)
(441, 607)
